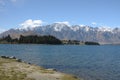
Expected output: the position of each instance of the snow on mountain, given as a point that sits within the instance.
(64, 23)
(63, 30)
(75, 28)
(30, 24)
(58, 26)
(108, 29)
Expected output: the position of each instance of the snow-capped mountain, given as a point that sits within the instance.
(65, 31)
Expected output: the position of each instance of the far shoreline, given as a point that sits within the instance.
(46, 39)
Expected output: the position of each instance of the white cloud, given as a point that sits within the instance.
(5, 2)
(2, 30)
(94, 23)
(82, 25)
(31, 24)
(65, 22)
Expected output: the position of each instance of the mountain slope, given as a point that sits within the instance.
(63, 31)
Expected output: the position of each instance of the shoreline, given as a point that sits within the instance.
(12, 66)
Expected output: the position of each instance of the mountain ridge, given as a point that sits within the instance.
(64, 31)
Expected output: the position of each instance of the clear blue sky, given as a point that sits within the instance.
(101, 12)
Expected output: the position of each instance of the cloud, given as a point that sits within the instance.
(2, 30)
(82, 25)
(31, 23)
(94, 23)
(65, 22)
(5, 2)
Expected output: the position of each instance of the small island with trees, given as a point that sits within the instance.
(46, 39)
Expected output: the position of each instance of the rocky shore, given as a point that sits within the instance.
(12, 68)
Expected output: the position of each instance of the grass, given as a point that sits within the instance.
(12, 74)
(5, 60)
(69, 77)
(47, 71)
(9, 71)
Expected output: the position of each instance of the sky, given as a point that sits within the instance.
(81, 12)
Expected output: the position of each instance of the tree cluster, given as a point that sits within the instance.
(8, 39)
(32, 39)
(91, 43)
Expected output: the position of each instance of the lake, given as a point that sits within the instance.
(89, 62)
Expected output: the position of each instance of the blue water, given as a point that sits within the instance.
(88, 62)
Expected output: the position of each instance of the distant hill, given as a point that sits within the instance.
(63, 31)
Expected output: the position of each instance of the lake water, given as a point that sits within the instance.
(88, 62)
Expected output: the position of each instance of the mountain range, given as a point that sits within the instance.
(63, 31)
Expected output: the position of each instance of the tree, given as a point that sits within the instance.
(39, 39)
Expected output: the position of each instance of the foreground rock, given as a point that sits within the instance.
(11, 69)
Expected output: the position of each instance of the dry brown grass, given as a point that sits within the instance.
(10, 69)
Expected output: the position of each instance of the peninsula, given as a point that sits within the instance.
(46, 39)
